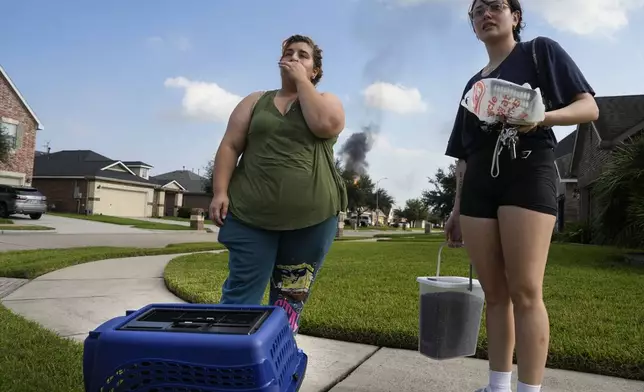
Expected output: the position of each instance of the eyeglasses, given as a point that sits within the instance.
(495, 8)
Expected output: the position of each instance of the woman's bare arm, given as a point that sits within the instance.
(324, 113)
(233, 143)
(461, 166)
(583, 109)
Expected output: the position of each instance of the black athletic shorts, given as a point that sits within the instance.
(529, 181)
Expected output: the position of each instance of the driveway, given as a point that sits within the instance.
(76, 226)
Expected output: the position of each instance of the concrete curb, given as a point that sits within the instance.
(28, 232)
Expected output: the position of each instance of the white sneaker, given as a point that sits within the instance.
(487, 389)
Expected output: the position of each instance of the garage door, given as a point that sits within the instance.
(118, 202)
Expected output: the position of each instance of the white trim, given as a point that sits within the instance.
(568, 180)
(563, 180)
(557, 168)
(107, 179)
(122, 165)
(592, 124)
(174, 181)
(22, 99)
(143, 166)
(8, 120)
(11, 174)
(98, 184)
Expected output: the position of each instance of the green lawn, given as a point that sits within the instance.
(35, 359)
(29, 264)
(8, 224)
(175, 218)
(367, 293)
(415, 237)
(385, 228)
(352, 238)
(116, 220)
(24, 227)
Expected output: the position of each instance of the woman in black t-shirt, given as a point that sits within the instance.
(505, 205)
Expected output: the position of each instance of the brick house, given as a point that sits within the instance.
(85, 182)
(19, 123)
(193, 183)
(581, 156)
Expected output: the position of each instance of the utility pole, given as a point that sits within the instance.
(377, 196)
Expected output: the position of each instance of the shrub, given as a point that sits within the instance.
(184, 212)
(576, 233)
(619, 196)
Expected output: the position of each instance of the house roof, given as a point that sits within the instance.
(191, 181)
(619, 118)
(618, 114)
(566, 145)
(563, 154)
(82, 163)
(563, 166)
(137, 164)
(22, 99)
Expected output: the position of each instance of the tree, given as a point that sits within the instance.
(360, 195)
(208, 177)
(415, 210)
(382, 200)
(440, 200)
(618, 196)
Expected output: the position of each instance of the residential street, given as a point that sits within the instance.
(64, 225)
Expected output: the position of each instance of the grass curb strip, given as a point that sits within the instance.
(30, 264)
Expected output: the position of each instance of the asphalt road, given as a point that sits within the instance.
(76, 226)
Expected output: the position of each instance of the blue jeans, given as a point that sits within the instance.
(288, 260)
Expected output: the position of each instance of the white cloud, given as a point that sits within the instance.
(582, 17)
(394, 97)
(586, 17)
(204, 101)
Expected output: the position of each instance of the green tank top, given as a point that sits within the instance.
(286, 178)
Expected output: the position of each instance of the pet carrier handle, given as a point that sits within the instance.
(438, 266)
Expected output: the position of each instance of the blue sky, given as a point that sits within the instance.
(155, 80)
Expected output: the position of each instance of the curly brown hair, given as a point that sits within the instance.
(317, 53)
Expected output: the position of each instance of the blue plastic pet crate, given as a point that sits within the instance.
(194, 348)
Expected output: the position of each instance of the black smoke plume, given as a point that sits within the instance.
(354, 150)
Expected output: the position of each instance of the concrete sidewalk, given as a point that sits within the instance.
(75, 300)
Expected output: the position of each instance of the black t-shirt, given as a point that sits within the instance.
(559, 78)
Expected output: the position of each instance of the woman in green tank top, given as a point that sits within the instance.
(277, 208)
